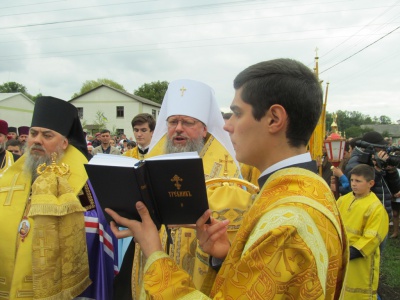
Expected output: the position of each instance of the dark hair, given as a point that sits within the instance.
(142, 119)
(14, 143)
(132, 143)
(226, 116)
(104, 131)
(363, 170)
(288, 83)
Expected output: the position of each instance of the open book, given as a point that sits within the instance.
(172, 186)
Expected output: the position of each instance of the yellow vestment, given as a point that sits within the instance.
(250, 173)
(17, 273)
(134, 152)
(291, 245)
(9, 160)
(184, 250)
(367, 224)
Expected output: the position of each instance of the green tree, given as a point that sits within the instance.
(349, 122)
(13, 87)
(100, 120)
(91, 84)
(37, 96)
(154, 91)
(385, 120)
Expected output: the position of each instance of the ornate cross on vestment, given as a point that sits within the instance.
(226, 161)
(183, 90)
(11, 189)
(42, 248)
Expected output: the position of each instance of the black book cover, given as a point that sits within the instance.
(173, 190)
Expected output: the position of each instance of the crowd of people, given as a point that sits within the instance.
(274, 229)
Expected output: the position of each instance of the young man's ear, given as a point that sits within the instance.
(277, 118)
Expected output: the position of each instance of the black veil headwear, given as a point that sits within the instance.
(60, 116)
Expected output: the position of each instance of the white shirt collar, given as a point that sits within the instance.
(301, 158)
(142, 148)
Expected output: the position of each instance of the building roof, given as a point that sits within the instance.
(392, 129)
(137, 98)
(4, 96)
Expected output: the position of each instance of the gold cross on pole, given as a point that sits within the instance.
(226, 161)
(183, 90)
(11, 189)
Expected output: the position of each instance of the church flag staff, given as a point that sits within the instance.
(317, 138)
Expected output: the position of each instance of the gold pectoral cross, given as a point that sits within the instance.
(226, 161)
(183, 90)
(11, 189)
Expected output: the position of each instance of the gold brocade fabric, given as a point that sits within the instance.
(227, 202)
(250, 173)
(291, 245)
(367, 224)
(59, 257)
(8, 161)
(134, 152)
(16, 274)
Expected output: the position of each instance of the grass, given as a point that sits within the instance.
(389, 284)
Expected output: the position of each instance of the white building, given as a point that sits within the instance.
(16, 109)
(118, 108)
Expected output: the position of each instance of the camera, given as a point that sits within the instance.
(366, 156)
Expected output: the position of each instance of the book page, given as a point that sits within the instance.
(113, 160)
(182, 155)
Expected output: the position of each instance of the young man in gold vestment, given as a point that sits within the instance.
(367, 224)
(292, 243)
(143, 127)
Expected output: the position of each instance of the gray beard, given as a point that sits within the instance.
(32, 161)
(2, 147)
(191, 145)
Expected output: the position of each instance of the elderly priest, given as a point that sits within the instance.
(44, 253)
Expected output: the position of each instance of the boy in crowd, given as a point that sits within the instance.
(367, 224)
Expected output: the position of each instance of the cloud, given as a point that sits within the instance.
(54, 47)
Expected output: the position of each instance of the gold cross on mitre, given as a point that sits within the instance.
(226, 161)
(176, 178)
(183, 90)
(11, 189)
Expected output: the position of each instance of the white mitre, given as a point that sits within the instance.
(197, 100)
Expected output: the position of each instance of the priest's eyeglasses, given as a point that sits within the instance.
(172, 123)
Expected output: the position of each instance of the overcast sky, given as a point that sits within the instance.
(52, 47)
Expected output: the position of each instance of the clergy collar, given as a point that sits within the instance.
(142, 148)
(301, 160)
